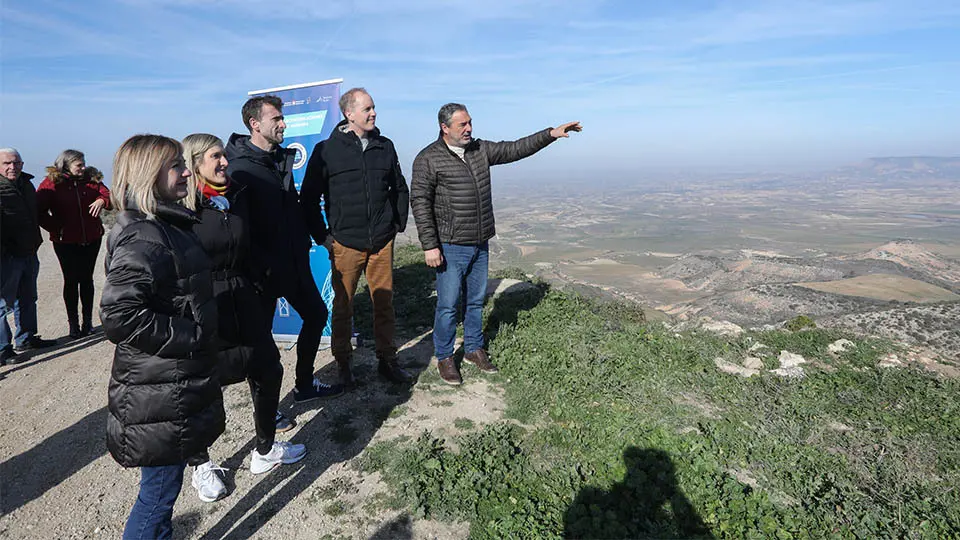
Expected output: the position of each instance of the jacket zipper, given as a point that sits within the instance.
(233, 259)
(476, 187)
(83, 229)
(366, 188)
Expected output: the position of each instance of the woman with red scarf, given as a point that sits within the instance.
(69, 202)
(245, 347)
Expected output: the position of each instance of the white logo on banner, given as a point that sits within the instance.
(283, 308)
(301, 158)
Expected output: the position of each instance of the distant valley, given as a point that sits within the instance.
(874, 248)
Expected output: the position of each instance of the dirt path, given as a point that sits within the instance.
(57, 480)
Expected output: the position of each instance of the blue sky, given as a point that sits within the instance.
(693, 85)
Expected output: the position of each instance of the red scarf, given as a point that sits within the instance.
(209, 190)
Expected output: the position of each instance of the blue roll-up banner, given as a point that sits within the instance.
(311, 111)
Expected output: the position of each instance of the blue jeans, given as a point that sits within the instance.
(464, 270)
(152, 514)
(18, 293)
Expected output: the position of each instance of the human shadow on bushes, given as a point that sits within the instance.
(398, 528)
(330, 438)
(646, 504)
(508, 304)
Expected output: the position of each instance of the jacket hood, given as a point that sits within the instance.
(90, 175)
(173, 213)
(176, 214)
(240, 147)
(340, 131)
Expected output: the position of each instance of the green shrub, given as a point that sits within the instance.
(799, 323)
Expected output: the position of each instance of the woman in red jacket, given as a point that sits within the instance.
(69, 201)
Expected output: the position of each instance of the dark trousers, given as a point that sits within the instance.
(264, 378)
(303, 295)
(152, 515)
(77, 262)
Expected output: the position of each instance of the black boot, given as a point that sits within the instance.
(391, 370)
(347, 380)
(74, 326)
(87, 327)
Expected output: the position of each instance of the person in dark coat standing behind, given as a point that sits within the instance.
(357, 174)
(245, 347)
(69, 201)
(19, 265)
(280, 244)
(164, 398)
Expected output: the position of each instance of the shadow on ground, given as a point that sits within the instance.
(331, 438)
(399, 528)
(646, 504)
(29, 475)
(508, 305)
(63, 347)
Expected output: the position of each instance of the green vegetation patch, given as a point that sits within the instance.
(635, 433)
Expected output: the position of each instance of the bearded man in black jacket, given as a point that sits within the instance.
(357, 175)
(280, 245)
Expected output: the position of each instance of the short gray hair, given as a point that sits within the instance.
(447, 112)
(350, 97)
(11, 150)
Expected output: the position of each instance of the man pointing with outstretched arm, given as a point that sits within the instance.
(453, 209)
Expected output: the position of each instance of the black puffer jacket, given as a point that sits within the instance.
(242, 333)
(278, 232)
(164, 396)
(19, 229)
(365, 196)
(451, 199)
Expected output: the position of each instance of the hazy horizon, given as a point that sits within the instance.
(713, 86)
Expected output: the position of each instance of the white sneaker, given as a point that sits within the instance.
(282, 452)
(208, 483)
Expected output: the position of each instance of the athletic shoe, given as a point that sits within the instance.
(283, 423)
(208, 483)
(318, 390)
(282, 452)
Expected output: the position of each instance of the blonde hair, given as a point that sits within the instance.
(136, 169)
(194, 147)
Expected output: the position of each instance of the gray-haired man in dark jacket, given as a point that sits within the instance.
(19, 265)
(453, 209)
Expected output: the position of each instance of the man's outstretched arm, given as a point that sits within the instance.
(509, 151)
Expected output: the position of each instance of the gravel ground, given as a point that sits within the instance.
(58, 481)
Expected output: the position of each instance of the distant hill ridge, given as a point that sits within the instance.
(908, 167)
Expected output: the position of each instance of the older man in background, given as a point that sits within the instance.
(19, 265)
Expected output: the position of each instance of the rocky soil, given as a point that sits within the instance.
(58, 481)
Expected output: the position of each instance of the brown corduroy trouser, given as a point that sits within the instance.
(347, 264)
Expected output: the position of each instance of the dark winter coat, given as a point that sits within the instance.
(451, 199)
(278, 233)
(63, 206)
(164, 397)
(19, 230)
(364, 194)
(242, 333)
